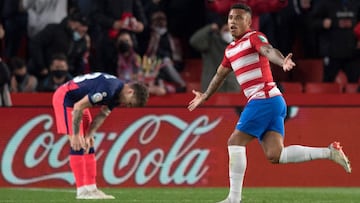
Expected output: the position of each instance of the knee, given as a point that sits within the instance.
(273, 156)
(238, 138)
(230, 141)
(234, 140)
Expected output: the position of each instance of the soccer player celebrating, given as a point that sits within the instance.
(263, 116)
(71, 103)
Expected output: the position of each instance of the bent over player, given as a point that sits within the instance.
(71, 103)
(263, 116)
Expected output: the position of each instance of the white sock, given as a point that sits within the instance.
(297, 153)
(237, 167)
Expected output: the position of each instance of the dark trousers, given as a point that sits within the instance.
(351, 68)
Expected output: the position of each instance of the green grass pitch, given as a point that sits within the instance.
(186, 195)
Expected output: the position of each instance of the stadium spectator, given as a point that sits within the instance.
(131, 67)
(335, 22)
(14, 19)
(113, 16)
(71, 103)
(42, 13)
(162, 45)
(5, 98)
(289, 27)
(59, 74)
(258, 7)
(2, 40)
(211, 41)
(21, 80)
(152, 6)
(263, 116)
(67, 37)
(128, 62)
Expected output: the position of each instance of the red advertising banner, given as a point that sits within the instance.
(218, 99)
(172, 147)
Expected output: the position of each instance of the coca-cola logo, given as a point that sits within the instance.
(182, 162)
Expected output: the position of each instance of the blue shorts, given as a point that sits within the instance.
(262, 115)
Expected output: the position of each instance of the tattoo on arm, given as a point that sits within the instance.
(274, 55)
(216, 82)
(77, 117)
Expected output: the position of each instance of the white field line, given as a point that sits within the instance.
(44, 189)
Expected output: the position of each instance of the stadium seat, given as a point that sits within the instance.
(308, 70)
(192, 70)
(317, 87)
(291, 87)
(193, 86)
(341, 78)
(351, 88)
(279, 74)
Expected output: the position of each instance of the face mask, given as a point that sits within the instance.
(20, 78)
(59, 73)
(76, 36)
(123, 47)
(227, 37)
(160, 30)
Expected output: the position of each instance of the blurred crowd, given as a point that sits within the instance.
(44, 43)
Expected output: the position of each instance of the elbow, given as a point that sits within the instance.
(194, 42)
(77, 108)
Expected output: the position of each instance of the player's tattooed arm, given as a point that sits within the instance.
(217, 81)
(77, 117)
(77, 113)
(274, 55)
(98, 120)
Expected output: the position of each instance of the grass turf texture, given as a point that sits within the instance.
(188, 195)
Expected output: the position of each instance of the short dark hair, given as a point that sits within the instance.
(17, 63)
(78, 17)
(58, 56)
(141, 93)
(242, 6)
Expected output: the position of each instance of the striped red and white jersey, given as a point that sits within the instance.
(252, 69)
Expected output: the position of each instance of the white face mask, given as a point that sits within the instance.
(76, 36)
(160, 30)
(227, 37)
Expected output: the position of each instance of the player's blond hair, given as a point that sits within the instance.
(141, 94)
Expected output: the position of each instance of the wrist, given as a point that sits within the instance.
(89, 134)
(205, 96)
(281, 64)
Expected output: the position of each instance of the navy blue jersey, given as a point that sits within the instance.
(101, 88)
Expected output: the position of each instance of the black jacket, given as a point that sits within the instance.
(108, 11)
(337, 42)
(55, 39)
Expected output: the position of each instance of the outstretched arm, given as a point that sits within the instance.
(215, 83)
(275, 56)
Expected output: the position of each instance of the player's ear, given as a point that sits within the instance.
(249, 21)
(131, 91)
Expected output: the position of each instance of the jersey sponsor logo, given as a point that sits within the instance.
(262, 38)
(97, 97)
